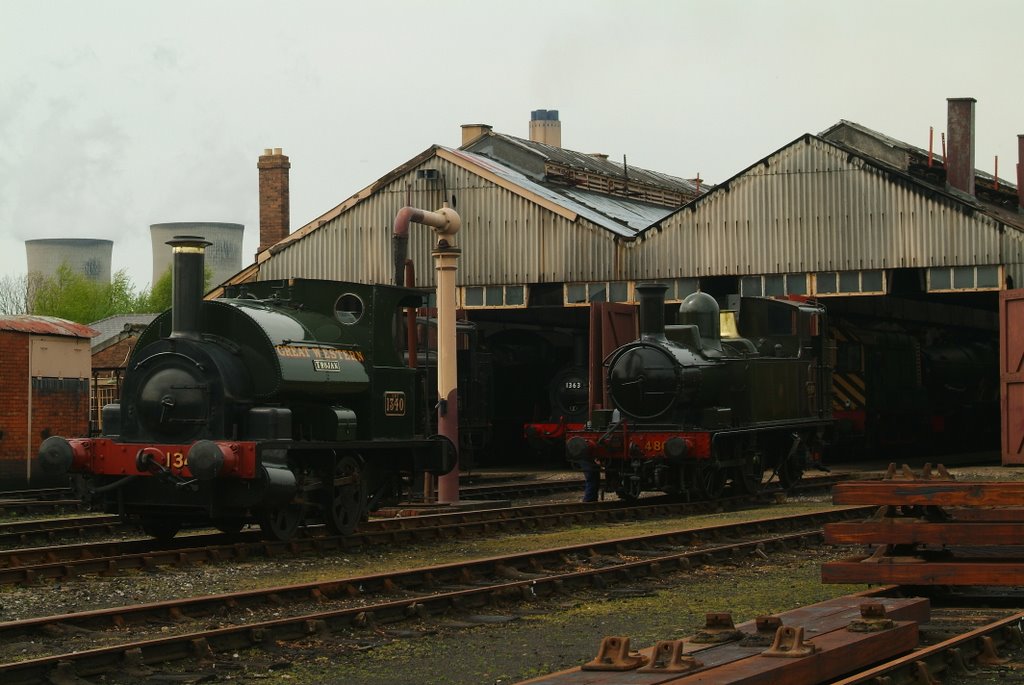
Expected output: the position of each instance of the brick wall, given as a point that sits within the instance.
(59, 407)
(274, 203)
(115, 356)
(13, 407)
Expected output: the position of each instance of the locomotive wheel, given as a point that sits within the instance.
(747, 478)
(344, 497)
(625, 488)
(791, 470)
(709, 480)
(281, 524)
(160, 528)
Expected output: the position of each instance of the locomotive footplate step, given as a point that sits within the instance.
(428, 508)
(806, 645)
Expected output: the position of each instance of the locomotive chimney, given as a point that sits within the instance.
(652, 309)
(187, 288)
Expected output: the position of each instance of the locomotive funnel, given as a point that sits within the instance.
(652, 309)
(187, 289)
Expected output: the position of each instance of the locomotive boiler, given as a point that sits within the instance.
(281, 402)
(692, 411)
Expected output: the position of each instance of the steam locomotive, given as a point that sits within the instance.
(568, 395)
(282, 402)
(692, 411)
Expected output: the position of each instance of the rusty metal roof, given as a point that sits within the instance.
(594, 163)
(45, 325)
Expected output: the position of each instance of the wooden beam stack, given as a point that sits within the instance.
(931, 530)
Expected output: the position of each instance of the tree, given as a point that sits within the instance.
(70, 295)
(14, 291)
(159, 296)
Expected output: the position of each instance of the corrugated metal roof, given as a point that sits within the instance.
(600, 165)
(616, 222)
(815, 206)
(636, 215)
(112, 326)
(915, 182)
(915, 156)
(45, 325)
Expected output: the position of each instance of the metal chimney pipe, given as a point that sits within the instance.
(187, 287)
(652, 309)
(960, 160)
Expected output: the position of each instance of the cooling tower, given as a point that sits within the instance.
(87, 256)
(223, 256)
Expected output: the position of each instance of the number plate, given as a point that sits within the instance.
(327, 365)
(394, 403)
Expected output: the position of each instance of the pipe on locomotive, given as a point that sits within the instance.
(187, 287)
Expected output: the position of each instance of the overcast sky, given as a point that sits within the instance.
(118, 115)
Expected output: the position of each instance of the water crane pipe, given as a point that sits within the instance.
(445, 223)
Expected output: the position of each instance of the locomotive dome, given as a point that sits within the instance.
(701, 310)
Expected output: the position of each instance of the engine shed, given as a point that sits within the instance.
(907, 249)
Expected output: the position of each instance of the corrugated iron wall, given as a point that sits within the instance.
(505, 238)
(812, 207)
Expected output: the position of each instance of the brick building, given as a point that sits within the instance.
(44, 373)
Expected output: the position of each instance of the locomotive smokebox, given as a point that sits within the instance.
(187, 289)
(652, 309)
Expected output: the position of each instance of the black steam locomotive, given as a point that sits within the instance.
(282, 401)
(568, 397)
(692, 411)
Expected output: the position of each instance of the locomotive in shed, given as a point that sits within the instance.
(692, 411)
(568, 395)
(282, 402)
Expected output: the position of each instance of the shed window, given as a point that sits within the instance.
(494, 296)
(576, 293)
(953, 278)
(963, 277)
(750, 286)
(774, 285)
(796, 284)
(618, 291)
(870, 282)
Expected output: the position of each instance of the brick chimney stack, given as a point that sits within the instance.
(960, 155)
(274, 206)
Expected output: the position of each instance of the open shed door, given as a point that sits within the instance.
(1011, 374)
(612, 324)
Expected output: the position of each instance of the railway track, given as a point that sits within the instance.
(17, 534)
(22, 566)
(59, 501)
(384, 599)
